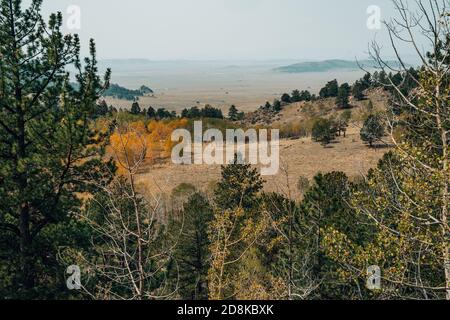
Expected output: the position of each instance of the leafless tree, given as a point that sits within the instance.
(422, 24)
(131, 255)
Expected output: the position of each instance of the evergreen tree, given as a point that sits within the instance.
(49, 153)
(358, 91)
(286, 98)
(210, 112)
(192, 254)
(326, 205)
(194, 113)
(151, 113)
(366, 81)
(323, 131)
(305, 95)
(233, 113)
(295, 96)
(135, 108)
(372, 130)
(342, 99)
(102, 108)
(238, 187)
(330, 90)
(277, 105)
(162, 113)
(288, 258)
(343, 121)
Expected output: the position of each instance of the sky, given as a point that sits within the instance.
(225, 29)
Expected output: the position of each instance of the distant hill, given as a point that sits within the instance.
(330, 65)
(119, 92)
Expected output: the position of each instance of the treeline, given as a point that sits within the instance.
(342, 92)
(206, 112)
(102, 109)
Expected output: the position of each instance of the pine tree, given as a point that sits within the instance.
(102, 108)
(192, 254)
(323, 131)
(330, 90)
(233, 113)
(48, 151)
(326, 205)
(286, 256)
(235, 228)
(295, 96)
(343, 122)
(238, 187)
(151, 113)
(276, 105)
(372, 130)
(286, 98)
(358, 91)
(342, 99)
(135, 108)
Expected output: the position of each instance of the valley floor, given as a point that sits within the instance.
(300, 157)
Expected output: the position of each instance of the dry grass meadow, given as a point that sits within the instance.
(300, 157)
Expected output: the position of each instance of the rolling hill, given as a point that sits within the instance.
(329, 65)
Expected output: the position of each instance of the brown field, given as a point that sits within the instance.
(300, 157)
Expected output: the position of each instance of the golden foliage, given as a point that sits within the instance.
(134, 140)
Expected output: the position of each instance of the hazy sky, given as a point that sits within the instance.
(226, 29)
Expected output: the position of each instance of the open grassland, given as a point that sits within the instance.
(300, 157)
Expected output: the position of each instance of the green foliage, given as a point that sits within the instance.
(295, 96)
(326, 205)
(372, 130)
(331, 89)
(151, 113)
(207, 112)
(286, 98)
(238, 187)
(298, 96)
(358, 91)
(277, 105)
(342, 99)
(343, 121)
(135, 108)
(234, 114)
(324, 131)
(192, 255)
(48, 153)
